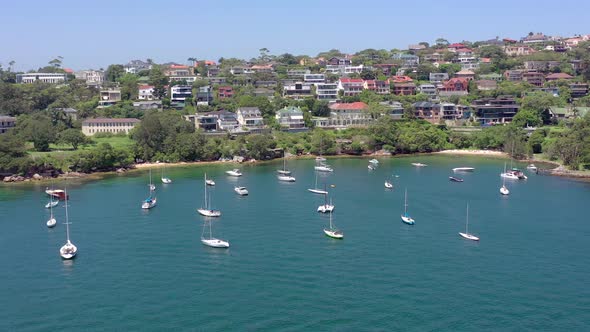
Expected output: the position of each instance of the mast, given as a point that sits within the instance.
(504, 176)
(51, 205)
(325, 196)
(67, 217)
(210, 235)
(406, 203)
(150, 179)
(467, 220)
(284, 162)
(316, 179)
(205, 190)
(330, 220)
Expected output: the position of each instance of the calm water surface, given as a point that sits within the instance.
(148, 271)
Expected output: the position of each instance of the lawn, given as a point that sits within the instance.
(60, 151)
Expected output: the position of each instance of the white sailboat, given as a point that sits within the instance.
(211, 241)
(388, 184)
(286, 178)
(51, 203)
(149, 202)
(332, 232)
(284, 171)
(325, 208)
(51, 222)
(503, 189)
(152, 185)
(68, 250)
(165, 180)
(466, 234)
(323, 168)
(206, 209)
(316, 190)
(406, 217)
(419, 164)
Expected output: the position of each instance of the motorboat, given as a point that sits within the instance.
(234, 172)
(51, 204)
(320, 158)
(419, 164)
(57, 193)
(374, 161)
(323, 168)
(532, 167)
(514, 174)
(463, 169)
(455, 179)
(242, 191)
(388, 184)
(209, 182)
(371, 167)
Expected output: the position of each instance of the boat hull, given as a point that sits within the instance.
(166, 181)
(334, 234)
(233, 173)
(388, 185)
(283, 172)
(286, 178)
(318, 191)
(210, 182)
(463, 169)
(469, 236)
(323, 169)
(68, 251)
(504, 191)
(326, 208)
(407, 220)
(454, 179)
(209, 213)
(51, 223)
(241, 191)
(149, 205)
(215, 243)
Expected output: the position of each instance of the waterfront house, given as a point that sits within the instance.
(345, 115)
(297, 90)
(578, 90)
(495, 110)
(109, 97)
(226, 120)
(427, 111)
(50, 78)
(394, 109)
(250, 118)
(6, 123)
(204, 121)
(108, 125)
(290, 118)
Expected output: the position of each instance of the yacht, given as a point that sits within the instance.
(149, 203)
(419, 164)
(206, 210)
(211, 241)
(242, 191)
(286, 177)
(532, 167)
(463, 169)
(323, 168)
(466, 234)
(68, 250)
(374, 161)
(234, 172)
(388, 184)
(325, 208)
(333, 232)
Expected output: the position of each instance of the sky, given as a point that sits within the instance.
(93, 34)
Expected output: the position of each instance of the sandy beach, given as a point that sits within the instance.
(474, 153)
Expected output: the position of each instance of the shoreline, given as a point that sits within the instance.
(557, 170)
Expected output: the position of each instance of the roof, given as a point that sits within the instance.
(111, 120)
(291, 110)
(455, 45)
(465, 72)
(7, 118)
(359, 105)
(559, 76)
(145, 87)
(351, 80)
(401, 79)
(178, 66)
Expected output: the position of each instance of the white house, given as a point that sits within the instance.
(108, 125)
(290, 117)
(52, 78)
(146, 92)
(250, 117)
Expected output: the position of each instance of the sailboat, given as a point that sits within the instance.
(503, 189)
(466, 234)
(325, 208)
(149, 202)
(164, 179)
(51, 222)
(388, 184)
(332, 232)
(406, 217)
(284, 171)
(51, 203)
(316, 190)
(68, 250)
(211, 241)
(206, 210)
(151, 185)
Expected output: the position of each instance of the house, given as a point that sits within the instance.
(290, 118)
(434, 57)
(518, 50)
(205, 121)
(266, 84)
(147, 105)
(314, 78)
(326, 91)
(578, 90)
(135, 66)
(450, 112)
(394, 109)
(50, 78)
(370, 85)
(407, 60)
(109, 97)
(495, 110)
(297, 73)
(351, 86)
(71, 113)
(267, 68)
(225, 92)
(204, 95)
(541, 65)
(264, 92)
(438, 78)
(404, 89)
(179, 94)
(353, 69)
(493, 77)
(183, 79)
(108, 125)
(486, 85)
(335, 61)
(91, 77)
(385, 68)
(250, 118)
(558, 76)
(533, 77)
(146, 92)
(456, 86)
(6, 122)
(468, 74)
(416, 47)
(176, 71)
(401, 79)
(212, 71)
(429, 90)
(427, 111)
(345, 115)
(513, 75)
(217, 80)
(297, 90)
(568, 112)
(227, 121)
(455, 46)
(382, 87)
(534, 38)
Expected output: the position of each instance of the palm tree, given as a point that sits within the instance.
(191, 61)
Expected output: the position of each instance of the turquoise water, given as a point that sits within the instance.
(148, 271)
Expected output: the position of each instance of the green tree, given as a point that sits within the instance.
(159, 82)
(114, 72)
(72, 136)
(128, 86)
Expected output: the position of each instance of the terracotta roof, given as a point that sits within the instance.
(351, 80)
(455, 45)
(465, 72)
(145, 87)
(359, 105)
(112, 120)
(401, 79)
(178, 67)
(559, 76)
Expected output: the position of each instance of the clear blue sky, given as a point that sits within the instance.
(94, 34)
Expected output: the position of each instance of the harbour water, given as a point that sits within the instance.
(148, 271)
